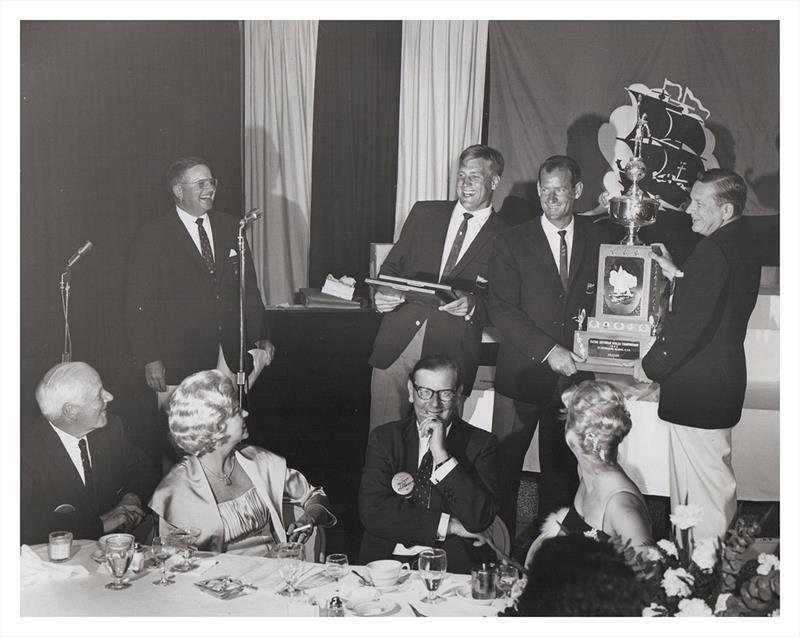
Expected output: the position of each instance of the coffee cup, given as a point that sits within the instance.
(386, 572)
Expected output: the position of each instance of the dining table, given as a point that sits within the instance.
(48, 592)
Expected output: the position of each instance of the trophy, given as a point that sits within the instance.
(631, 288)
(633, 209)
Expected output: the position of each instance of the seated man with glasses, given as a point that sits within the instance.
(429, 480)
(182, 296)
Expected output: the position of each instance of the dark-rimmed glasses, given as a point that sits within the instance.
(425, 393)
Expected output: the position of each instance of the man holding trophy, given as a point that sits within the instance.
(698, 357)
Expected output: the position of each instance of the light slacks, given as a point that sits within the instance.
(701, 474)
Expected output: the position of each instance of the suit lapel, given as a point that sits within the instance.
(411, 446)
(474, 249)
(578, 253)
(58, 463)
(540, 249)
(185, 242)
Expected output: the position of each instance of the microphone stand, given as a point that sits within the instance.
(66, 275)
(241, 375)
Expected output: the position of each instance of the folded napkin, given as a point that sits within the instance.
(34, 570)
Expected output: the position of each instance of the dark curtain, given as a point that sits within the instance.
(554, 83)
(354, 167)
(105, 106)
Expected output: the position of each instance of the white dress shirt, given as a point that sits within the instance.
(474, 225)
(554, 241)
(70, 443)
(190, 222)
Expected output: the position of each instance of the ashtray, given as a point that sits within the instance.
(225, 587)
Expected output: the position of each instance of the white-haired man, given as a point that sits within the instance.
(78, 471)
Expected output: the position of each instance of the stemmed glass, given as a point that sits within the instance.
(185, 541)
(432, 569)
(118, 551)
(335, 567)
(290, 556)
(162, 549)
(506, 576)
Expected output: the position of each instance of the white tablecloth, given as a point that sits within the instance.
(88, 597)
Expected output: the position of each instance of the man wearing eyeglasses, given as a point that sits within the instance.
(429, 480)
(182, 301)
(543, 274)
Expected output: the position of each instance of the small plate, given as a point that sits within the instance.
(376, 608)
(402, 580)
(465, 593)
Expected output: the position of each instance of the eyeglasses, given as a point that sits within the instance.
(202, 183)
(445, 395)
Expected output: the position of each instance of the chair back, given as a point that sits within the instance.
(498, 532)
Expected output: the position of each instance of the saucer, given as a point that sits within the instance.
(465, 593)
(391, 588)
(376, 608)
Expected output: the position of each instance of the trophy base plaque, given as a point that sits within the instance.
(631, 298)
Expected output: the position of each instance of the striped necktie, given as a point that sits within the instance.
(452, 258)
(563, 266)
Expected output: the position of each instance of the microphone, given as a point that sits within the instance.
(81, 251)
(252, 215)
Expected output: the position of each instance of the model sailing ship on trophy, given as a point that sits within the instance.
(631, 289)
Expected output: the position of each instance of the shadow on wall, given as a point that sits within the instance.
(283, 233)
(766, 188)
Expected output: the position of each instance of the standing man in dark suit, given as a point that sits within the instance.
(543, 273)
(430, 479)
(699, 356)
(182, 302)
(78, 471)
(447, 242)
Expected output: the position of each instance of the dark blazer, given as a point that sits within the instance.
(418, 255)
(48, 479)
(699, 356)
(529, 306)
(175, 310)
(467, 492)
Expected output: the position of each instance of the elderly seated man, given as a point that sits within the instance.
(78, 470)
(429, 480)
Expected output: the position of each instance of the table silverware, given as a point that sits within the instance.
(416, 612)
(361, 577)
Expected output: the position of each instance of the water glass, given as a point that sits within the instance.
(59, 547)
(185, 541)
(432, 569)
(118, 550)
(290, 561)
(506, 576)
(162, 549)
(335, 567)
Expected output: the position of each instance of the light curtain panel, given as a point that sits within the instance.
(553, 84)
(279, 69)
(441, 106)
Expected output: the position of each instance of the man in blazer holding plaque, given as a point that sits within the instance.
(699, 357)
(446, 242)
(543, 274)
(429, 479)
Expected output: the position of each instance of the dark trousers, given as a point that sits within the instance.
(514, 422)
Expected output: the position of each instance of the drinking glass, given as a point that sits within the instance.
(118, 551)
(162, 549)
(432, 569)
(335, 566)
(185, 541)
(290, 556)
(506, 576)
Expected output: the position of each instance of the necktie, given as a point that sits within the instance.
(421, 495)
(452, 258)
(563, 267)
(88, 477)
(205, 247)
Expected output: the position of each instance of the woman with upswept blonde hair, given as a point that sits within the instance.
(607, 502)
(239, 496)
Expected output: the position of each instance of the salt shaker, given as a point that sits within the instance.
(335, 607)
(137, 562)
